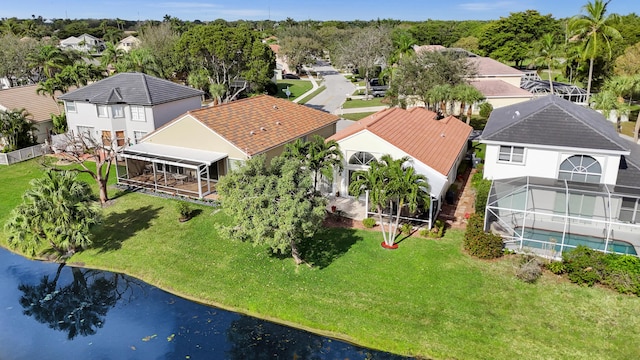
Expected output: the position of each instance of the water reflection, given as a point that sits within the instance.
(61, 312)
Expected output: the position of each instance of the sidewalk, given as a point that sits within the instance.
(313, 88)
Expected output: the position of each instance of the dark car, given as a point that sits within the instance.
(291, 76)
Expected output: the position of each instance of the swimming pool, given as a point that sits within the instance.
(540, 238)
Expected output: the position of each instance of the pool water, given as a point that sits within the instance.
(574, 240)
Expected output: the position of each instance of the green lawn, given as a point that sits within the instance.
(356, 116)
(358, 103)
(297, 88)
(427, 298)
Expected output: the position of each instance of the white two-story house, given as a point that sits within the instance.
(562, 177)
(125, 107)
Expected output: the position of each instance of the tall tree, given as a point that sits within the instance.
(58, 210)
(367, 50)
(321, 156)
(390, 181)
(110, 56)
(139, 60)
(595, 29)
(300, 51)
(161, 40)
(511, 38)
(628, 63)
(274, 205)
(48, 60)
(546, 51)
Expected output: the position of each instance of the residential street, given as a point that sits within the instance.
(337, 89)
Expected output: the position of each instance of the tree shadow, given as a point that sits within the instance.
(118, 227)
(328, 245)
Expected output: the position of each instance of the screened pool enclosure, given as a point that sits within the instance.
(549, 217)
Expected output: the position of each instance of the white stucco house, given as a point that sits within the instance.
(436, 148)
(85, 43)
(126, 107)
(128, 43)
(562, 177)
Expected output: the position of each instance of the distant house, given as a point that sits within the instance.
(562, 177)
(85, 43)
(128, 43)
(436, 148)
(189, 154)
(40, 107)
(127, 106)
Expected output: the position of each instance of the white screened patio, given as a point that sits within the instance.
(170, 169)
(548, 216)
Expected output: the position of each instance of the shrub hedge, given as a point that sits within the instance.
(369, 222)
(479, 243)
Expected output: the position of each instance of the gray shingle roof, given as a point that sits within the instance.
(630, 175)
(552, 121)
(133, 89)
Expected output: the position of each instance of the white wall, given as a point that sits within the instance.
(544, 163)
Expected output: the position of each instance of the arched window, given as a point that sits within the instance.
(580, 168)
(361, 158)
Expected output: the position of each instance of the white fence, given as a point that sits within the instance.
(22, 154)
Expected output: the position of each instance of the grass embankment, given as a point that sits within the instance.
(356, 116)
(297, 88)
(427, 298)
(358, 103)
(312, 95)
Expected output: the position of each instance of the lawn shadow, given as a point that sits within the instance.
(118, 227)
(328, 245)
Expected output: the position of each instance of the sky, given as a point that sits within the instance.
(207, 10)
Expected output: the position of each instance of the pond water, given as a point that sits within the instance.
(48, 311)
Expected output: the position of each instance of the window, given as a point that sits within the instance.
(85, 131)
(102, 110)
(361, 158)
(138, 135)
(120, 138)
(71, 106)
(137, 113)
(581, 168)
(118, 111)
(629, 210)
(106, 138)
(512, 154)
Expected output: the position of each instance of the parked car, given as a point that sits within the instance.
(291, 76)
(376, 88)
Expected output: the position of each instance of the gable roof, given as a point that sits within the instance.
(257, 124)
(133, 89)
(498, 88)
(39, 106)
(552, 121)
(436, 143)
(629, 171)
(490, 67)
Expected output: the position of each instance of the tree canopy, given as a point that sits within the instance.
(273, 204)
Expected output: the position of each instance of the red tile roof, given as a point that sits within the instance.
(490, 67)
(436, 143)
(257, 124)
(39, 106)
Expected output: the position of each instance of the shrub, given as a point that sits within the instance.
(530, 269)
(482, 189)
(184, 209)
(485, 109)
(406, 228)
(556, 267)
(369, 222)
(479, 243)
(584, 266)
(623, 282)
(436, 232)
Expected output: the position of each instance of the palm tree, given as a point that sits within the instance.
(139, 60)
(217, 92)
(388, 181)
(467, 95)
(111, 55)
(199, 79)
(594, 29)
(48, 60)
(16, 128)
(50, 87)
(320, 156)
(545, 51)
(612, 97)
(440, 95)
(58, 210)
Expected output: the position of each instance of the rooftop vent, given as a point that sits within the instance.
(252, 132)
(275, 107)
(263, 128)
(278, 123)
(441, 134)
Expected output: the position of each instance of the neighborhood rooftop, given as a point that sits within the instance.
(436, 143)
(40, 107)
(558, 122)
(260, 123)
(133, 89)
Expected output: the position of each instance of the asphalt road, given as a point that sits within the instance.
(337, 89)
